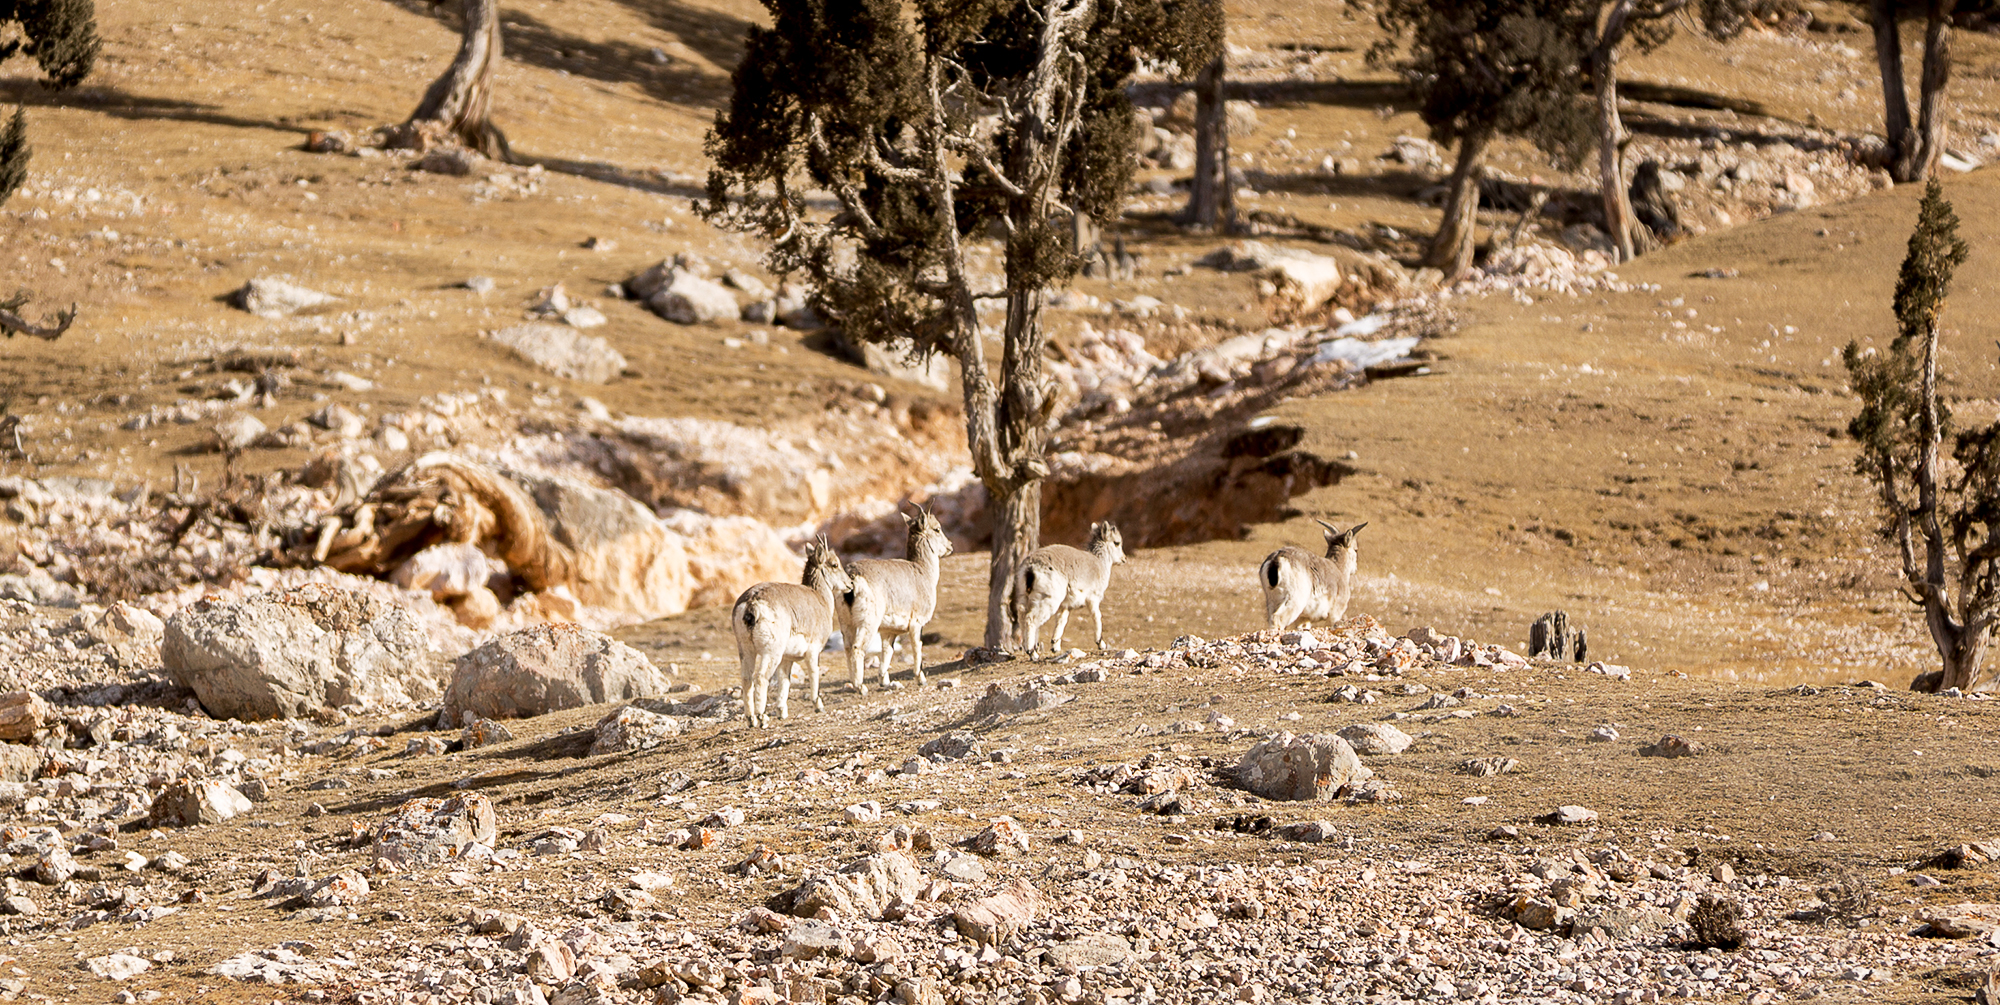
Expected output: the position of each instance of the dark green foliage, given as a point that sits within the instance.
(13, 154)
(1889, 384)
(1495, 67)
(61, 35)
(836, 95)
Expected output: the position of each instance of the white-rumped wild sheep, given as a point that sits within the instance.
(893, 598)
(1299, 585)
(1059, 579)
(780, 624)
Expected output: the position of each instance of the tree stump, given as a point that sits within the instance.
(1551, 638)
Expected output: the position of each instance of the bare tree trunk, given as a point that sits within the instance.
(1211, 199)
(1930, 137)
(1451, 248)
(1611, 136)
(1023, 434)
(459, 103)
(1895, 98)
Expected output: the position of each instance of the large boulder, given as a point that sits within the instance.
(546, 668)
(689, 299)
(297, 652)
(1316, 767)
(564, 351)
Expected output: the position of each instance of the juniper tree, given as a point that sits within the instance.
(931, 124)
(1211, 200)
(61, 35)
(1483, 69)
(14, 154)
(1942, 513)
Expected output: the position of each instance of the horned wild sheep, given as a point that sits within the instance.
(779, 624)
(1301, 585)
(1059, 579)
(893, 598)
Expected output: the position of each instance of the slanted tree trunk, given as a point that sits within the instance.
(1961, 636)
(459, 103)
(1611, 135)
(1211, 199)
(1451, 247)
(1930, 137)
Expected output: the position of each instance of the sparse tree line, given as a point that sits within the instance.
(1546, 71)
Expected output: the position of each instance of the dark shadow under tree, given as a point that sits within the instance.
(932, 125)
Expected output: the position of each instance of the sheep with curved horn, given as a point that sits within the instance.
(1301, 585)
(778, 625)
(893, 598)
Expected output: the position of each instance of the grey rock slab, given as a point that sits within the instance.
(564, 351)
(297, 653)
(275, 298)
(1376, 738)
(546, 668)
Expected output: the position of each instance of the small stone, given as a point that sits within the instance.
(1671, 745)
(1603, 734)
(479, 284)
(1376, 738)
(863, 813)
(1569, 816)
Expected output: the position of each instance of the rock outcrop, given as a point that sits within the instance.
(298, 653)
(545, 668)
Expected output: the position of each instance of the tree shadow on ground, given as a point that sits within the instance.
(125, 105)
(717, 37)
(612, 174)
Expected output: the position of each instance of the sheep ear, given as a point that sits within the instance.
(1356, 529)
(1331, 531)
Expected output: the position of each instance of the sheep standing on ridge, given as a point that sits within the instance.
(1301, 585)
(780, 624)
(1059, 579)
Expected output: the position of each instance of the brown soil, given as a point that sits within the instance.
(1688, 496)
